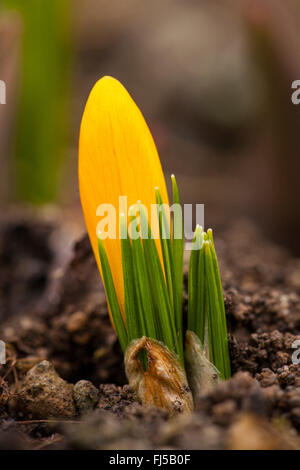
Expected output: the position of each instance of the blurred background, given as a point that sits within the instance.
(212, 78)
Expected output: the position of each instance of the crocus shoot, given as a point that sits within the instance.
(142, 267)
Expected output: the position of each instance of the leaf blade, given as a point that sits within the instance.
(112, 296)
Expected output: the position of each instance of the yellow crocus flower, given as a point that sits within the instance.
(117, 157)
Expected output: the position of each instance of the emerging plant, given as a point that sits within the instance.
(206, 311)
(142, 267)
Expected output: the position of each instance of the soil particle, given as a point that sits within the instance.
(4, 393)
(241, 393)
(195, 431)
(116, 399)
(102, 430)
(12, 438)
(251, 432)
(223, 411)
(76, 322)
(263, 350)
(267, 378)
(43, 394)
(85, 395)
(137, 427)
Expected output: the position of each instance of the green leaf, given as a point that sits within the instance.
(195, 286)
(200, 320)
(159, 290)
(166, 244)
(192, 287)
(132, 315)
(227, 367)
(217, 333)
(143, 291)
(112, 296)
(178, 251)
(206, 311)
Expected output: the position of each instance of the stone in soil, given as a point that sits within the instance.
(43, 394)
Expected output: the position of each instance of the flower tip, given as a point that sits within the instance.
(106, 85)
(107, 77)
(107, 80)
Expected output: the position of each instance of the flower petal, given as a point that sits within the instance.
(117, 157)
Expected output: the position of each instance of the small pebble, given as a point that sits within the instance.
(76, 322)
(86, 396)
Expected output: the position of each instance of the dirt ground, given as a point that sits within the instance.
(64, 387)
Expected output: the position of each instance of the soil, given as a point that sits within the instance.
(64, 387)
